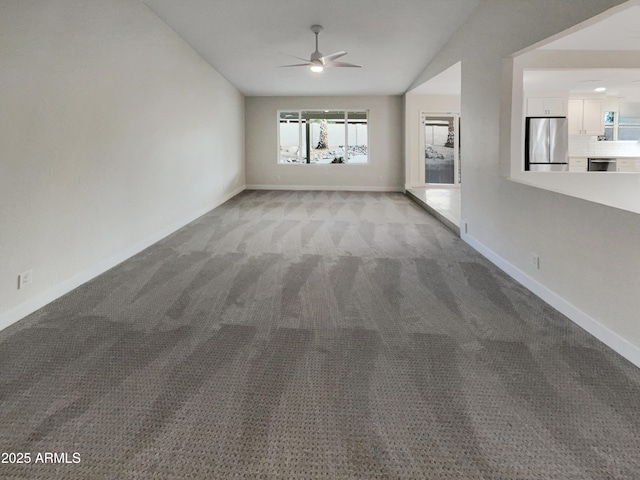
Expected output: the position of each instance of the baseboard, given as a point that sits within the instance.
(325, 187)
(607, 336)
(57, 291)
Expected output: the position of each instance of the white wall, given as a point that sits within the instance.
(415, 104)
(384, 171)
(589, 260)
(113, 133)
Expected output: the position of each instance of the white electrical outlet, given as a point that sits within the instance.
(25, 278)
(535, 261)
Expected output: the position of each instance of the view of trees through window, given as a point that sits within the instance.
(441, 149)
(323, 136)
(629, 121)
(623, 125)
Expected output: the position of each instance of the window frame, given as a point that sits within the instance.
(301, 134)
(626, 125)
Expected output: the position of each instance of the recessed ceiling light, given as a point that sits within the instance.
(600, 89)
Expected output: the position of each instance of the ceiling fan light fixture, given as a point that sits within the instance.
(318, 62)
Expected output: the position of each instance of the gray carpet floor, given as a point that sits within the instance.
(313, 335)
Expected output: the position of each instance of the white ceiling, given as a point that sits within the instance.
(618, 31)
(244, 40)
(619, 82)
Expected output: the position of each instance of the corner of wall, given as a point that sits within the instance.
(607, 336)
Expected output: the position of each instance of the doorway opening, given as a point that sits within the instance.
(434, 107)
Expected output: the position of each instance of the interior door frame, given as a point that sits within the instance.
(456, 151)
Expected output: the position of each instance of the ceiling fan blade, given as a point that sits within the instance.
(341, 64)
(297, 58)
(333, 56)
(296, 65)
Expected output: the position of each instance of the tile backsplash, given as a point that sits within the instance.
(588, 146)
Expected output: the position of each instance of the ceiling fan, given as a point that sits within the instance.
(319, 62)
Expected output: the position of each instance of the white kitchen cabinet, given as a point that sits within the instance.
(578, 164)
(546, 107)
(585, 116)
(628, 165)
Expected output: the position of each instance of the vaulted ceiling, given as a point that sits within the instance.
(245, 40)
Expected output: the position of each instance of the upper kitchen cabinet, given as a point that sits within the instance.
(585, 116)
(546, 107)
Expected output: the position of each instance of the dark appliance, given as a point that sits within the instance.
(602, 165)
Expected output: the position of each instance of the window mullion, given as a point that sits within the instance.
(300, 134)
(346, 137)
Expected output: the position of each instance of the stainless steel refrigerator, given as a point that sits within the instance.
(547, 143)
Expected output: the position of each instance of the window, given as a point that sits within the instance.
(623, 125)
(629, 121)
(323, 136)
(441, 148)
